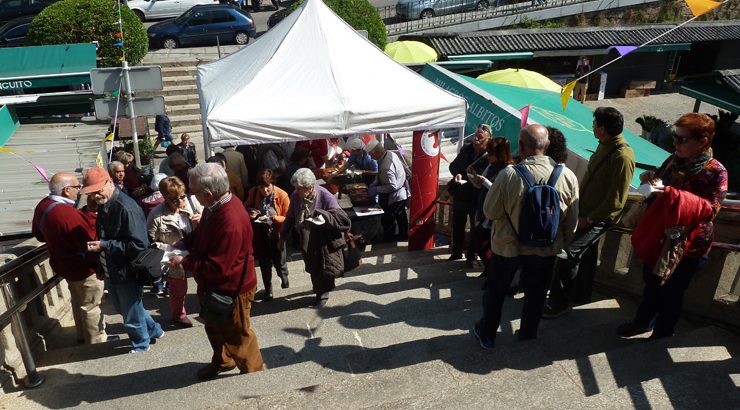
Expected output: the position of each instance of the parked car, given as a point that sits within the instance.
(422, 9)
(276, 17)
(12, 9)
(202, 25)
(159, 9)
(13, 33)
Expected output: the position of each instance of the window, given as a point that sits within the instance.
(199, 18)
(221, 16)
(17, 32)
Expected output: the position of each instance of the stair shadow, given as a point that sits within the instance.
(96, 389)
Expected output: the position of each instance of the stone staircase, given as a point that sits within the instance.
(395, 335)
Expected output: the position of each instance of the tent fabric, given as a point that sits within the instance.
(313, 76)
(498, 105)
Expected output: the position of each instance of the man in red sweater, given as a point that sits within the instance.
(66, 231)
(219, 249)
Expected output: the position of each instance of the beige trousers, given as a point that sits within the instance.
(579, 92)
(89, 320)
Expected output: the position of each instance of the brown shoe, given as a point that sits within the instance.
(183, 323)
(210, 371)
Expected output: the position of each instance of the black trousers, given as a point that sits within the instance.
(276, 259)
(661, 306)
(462, 212)
(394, 214)
(535, 278)
(573, 281)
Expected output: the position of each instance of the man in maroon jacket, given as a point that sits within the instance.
(66, 231)
(218, 249)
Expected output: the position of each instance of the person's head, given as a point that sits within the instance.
(356, 146)
(584, 60)
(218, 158)
(304, 181)
(178, 163)
(264, 181)
(532, 141)
(173, 192)
(693, 135)
(117, 171)
(300, 155)
(481, 137)
(608, 123)
(97, 183)
(208, 182)
(64, 184)
(375, 149)
(126, 158)
(171, 149)
(557, 149)
(499, 150)
(185, 138)
(156, 179)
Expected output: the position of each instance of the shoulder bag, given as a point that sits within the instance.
(215, 308)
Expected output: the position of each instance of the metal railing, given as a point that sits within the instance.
(8, 273)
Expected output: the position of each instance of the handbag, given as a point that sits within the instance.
(351, 253)
(215, 308)
(148, 265)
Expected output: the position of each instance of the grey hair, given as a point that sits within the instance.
(211, 177)
(303, 178)
(534, 138)
(57, 185)
(113, 164)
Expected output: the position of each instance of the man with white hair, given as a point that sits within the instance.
(358, 158)
(66, 231)
(504, 206)
(390, 186)
(220, 257)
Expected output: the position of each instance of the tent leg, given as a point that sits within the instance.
(697, 104)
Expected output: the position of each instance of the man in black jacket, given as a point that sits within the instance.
(122, 231)
(472, 159)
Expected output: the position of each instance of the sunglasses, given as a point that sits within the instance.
(678, 139)
(177, 198)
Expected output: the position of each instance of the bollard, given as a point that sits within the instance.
(32, 379)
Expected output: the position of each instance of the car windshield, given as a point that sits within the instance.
(184, 17)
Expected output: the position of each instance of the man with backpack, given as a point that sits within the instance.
(603, 194)
(534, 208)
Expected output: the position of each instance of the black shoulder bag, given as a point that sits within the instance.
(216, 309)
(148, 265)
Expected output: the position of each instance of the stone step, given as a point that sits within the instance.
(178, 80)
(176, 110)
(187, 99)
(175, 71)
(180, 119)
(188, 89)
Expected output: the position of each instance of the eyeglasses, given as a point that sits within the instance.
(680, 139)
(77, 187)
(177, 198)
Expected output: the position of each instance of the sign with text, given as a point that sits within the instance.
(144, 78)
(105, 108)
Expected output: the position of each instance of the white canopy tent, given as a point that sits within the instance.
(313, 76)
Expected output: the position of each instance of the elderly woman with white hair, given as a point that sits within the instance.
(320, 223)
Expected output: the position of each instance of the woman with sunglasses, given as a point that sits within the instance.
(690, 168)
(167, 224)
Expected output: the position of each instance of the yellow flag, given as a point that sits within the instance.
(10, 150)
(699, 7)
(108, 137)
(565, 94)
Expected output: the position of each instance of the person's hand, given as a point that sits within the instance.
(195, 218)
(478, 180)
(281, 244)
(458, 178)
(176, 261)
(94, 246)
(646, 176)
(372, 190)
(253, 213)
(583, 222)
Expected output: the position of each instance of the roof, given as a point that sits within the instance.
(313, 76)
(720, 88)
(574, 38)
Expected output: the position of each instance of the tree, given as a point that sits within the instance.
(359, 14)
(85, 21)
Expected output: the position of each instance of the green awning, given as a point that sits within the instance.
(712, 93)
(498, 105)
(46, 66)
(525, 55)
(662, 48)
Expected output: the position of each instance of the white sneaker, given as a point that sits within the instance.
(139, 350)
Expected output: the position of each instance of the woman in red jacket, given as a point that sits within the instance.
(267, 206)
(690, 168)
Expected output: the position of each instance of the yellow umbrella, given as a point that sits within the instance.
(521, 78)
(409, 52)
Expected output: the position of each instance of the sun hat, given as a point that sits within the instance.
(94, 180)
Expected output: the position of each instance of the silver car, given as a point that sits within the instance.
(416, 9)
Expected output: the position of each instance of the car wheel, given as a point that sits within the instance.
(482, 5)
(241, 38)
(140, 15)
(169, 42)
(427, 14)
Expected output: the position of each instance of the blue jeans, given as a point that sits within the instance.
(127, 299)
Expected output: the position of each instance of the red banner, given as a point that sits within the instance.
(424, 185)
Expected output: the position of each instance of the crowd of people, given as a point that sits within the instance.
(219, 219)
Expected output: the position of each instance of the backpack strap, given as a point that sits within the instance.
(555, 175)
(525, 174)
(46, 212)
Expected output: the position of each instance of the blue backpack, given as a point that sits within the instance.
(540, 216)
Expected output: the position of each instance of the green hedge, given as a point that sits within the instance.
(84, 21)
(359, 14)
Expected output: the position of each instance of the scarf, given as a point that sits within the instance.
(307, 206)
(683, 168)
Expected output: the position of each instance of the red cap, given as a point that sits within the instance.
(94, 180)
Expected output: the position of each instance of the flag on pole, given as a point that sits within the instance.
(699, 7)
(41, 171)
(565, 94)
(622, 50)
(525, 116)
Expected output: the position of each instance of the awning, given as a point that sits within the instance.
(712, 93)
(524, 55)
(498, 105)
(46, 66)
